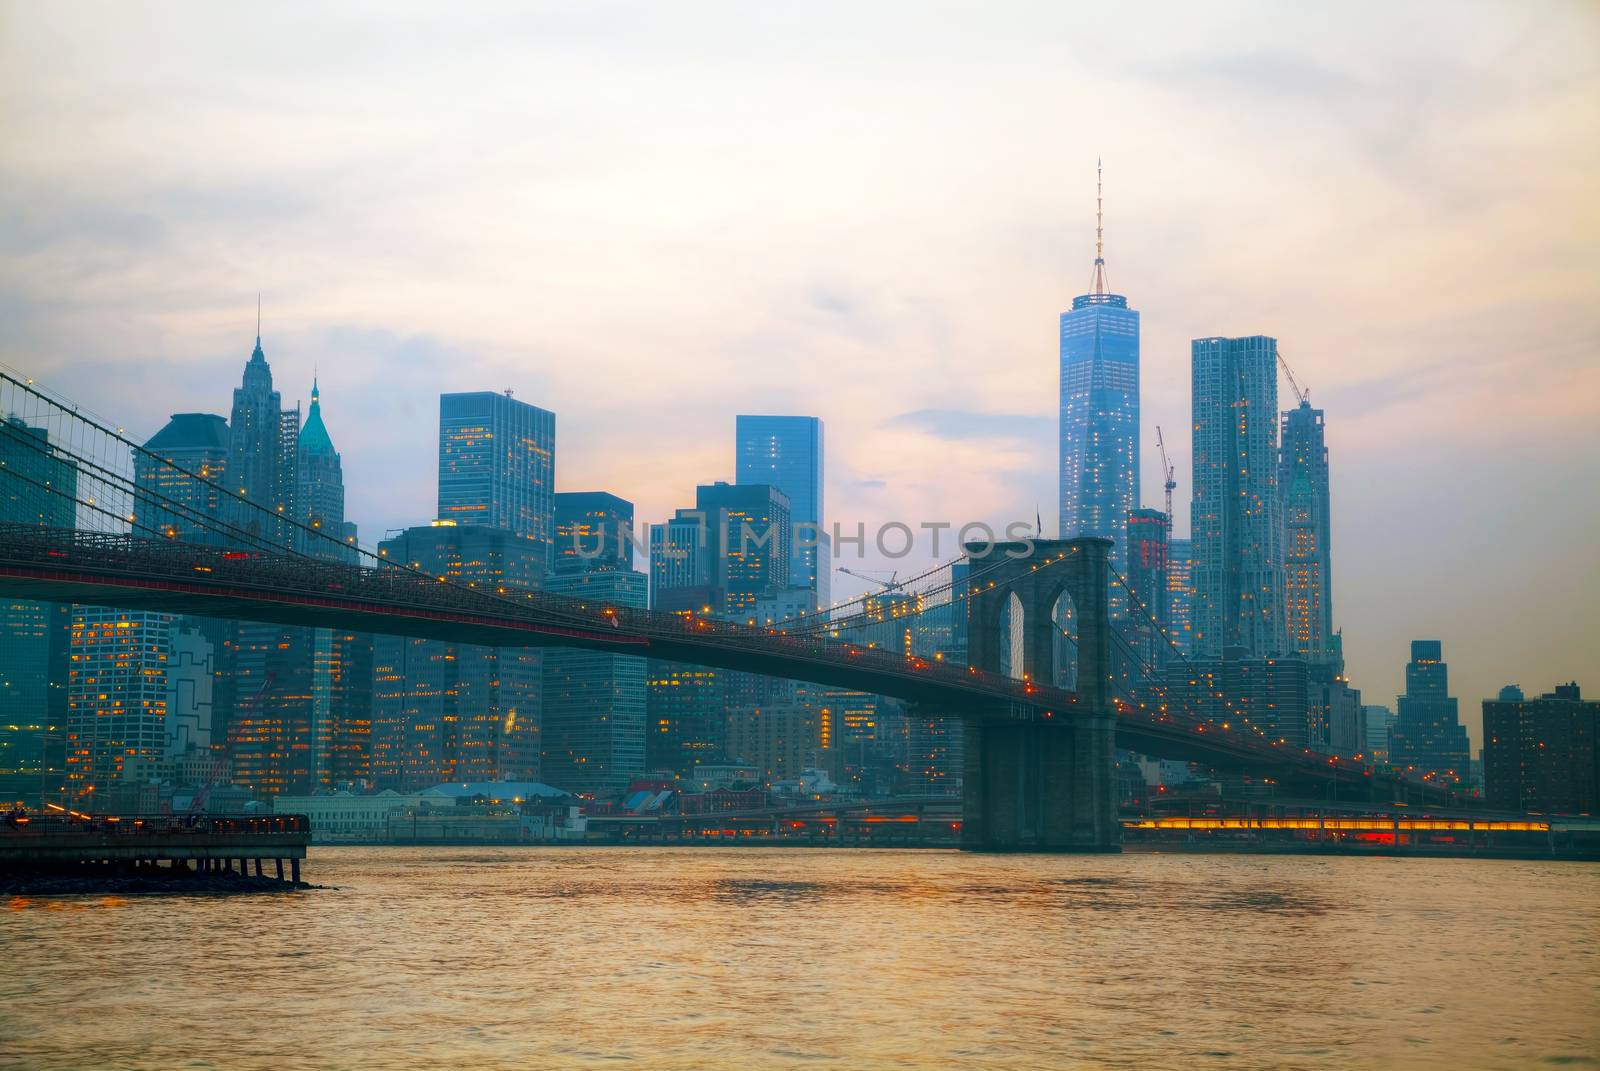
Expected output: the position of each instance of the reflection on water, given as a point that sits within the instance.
(745, 958)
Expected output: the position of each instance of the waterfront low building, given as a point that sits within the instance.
(347, 816)
(537, 823)
(719, 775)
(493, 793)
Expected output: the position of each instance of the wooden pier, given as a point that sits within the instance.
(52, 851)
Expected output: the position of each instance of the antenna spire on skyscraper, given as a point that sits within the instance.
(258, 317)
(1098, 282)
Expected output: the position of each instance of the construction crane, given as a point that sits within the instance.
(1166, 471)
(892, 584)
(1304, 396)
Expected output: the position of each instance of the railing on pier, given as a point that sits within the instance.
(137, 825)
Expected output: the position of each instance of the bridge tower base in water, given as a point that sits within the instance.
(1042, 785)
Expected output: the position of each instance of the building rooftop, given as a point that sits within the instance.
(314, 438)
(495, 790)
(190, 431)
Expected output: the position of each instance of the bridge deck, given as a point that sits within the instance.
(175, 577)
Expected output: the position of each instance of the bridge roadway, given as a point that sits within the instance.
(122, 571)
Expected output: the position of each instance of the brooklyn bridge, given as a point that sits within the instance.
(107, 522)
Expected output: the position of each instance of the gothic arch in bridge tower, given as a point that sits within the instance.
(1012, 623)
(1058, 585)
(1042, 785)
(1064, 614)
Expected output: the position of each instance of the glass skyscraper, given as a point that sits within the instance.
(680, 560)
(1235, 525)
(447, 711)
(497, 464)
(786, 452)
(594, 704)
(1099, 414)
(593, 735)
(1307, 552)
(748, 532)
(594, 532)
(37, 487)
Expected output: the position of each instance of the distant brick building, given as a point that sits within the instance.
(719, 800)
(1541, 754)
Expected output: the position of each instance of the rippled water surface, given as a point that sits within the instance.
(756, 958)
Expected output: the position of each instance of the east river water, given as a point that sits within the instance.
(796, 958)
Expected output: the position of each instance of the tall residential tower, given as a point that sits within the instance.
(1235, 527)
(1308, 559)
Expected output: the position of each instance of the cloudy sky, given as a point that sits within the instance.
(649, 217)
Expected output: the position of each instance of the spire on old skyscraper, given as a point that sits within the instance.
(314, 436)
(257, 354)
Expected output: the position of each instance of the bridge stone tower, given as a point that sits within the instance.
(1042, 785)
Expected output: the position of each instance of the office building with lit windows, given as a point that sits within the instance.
(117, 694)
(1377, 721)
(446, 711)
(1146, 619)
(37, 487)
(680, 558)
(1235, 523)
(179, 479)
(779, 740)
(936, 754)
(594, 532)
(340, 718)
(497, 464)
(786, 452)
(1273, 695)
(182, 489)
(1180, 595)
(1427, 734)
(298, 699)
(748, 533)
(1307, 534)
(593, 704)
(686, 725)
(263, 681)
(729, 556)
(1542, 754)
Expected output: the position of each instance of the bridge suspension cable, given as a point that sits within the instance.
(928, 596)
(90, 477)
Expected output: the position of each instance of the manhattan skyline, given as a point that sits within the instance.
(649, 277)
